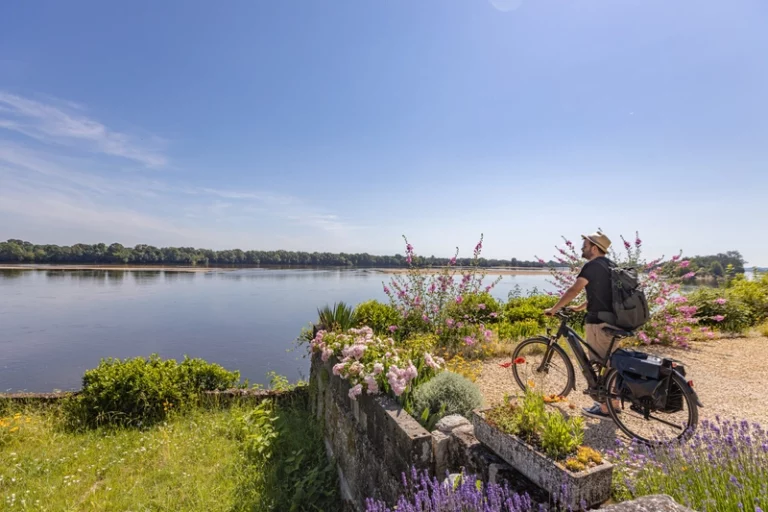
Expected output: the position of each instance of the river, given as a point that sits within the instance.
(55, 324)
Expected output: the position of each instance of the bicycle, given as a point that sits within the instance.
(542, 357)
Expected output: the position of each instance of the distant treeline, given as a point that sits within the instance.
(18, 251)
(716, 265)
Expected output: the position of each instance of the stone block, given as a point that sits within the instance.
(653, 503)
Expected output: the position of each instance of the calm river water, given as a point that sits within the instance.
(55, 324)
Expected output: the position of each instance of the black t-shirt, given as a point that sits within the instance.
(599, 295)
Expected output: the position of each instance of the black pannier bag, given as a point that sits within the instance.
(647, 379)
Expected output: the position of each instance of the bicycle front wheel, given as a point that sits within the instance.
(555, 376)
(654, 427)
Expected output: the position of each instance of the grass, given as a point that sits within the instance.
(188, 463)
(202, 460)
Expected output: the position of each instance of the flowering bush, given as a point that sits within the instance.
(713, 309)
(377, 316)
(433, 302)
(672, 321)
(723, 467)
(467, 494)
(374, 364)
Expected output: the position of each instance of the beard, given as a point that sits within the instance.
(585, 253)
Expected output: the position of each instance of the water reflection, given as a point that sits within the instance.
(58, 323)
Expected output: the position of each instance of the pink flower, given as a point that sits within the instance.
(469, 340)
(449, 322)
(684, 264)
(327, 353)
(653, 276)
(638, 242)
(660, 300)
(425, 318)
(643, 337)
(377, 368)
(627, 245)
(459, 299)
(675, 258)
(718, 318)
(481, 306)
(408, 248)
(430, 361)
(569, 243)
(488, 333)
(721, 301)
(371, 384)
(386, 290)
(338, 368)
(689, 275)
(453, 261)
(392, 328)
(355, 391)
(494, 314)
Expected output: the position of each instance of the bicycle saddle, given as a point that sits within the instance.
(618, 332)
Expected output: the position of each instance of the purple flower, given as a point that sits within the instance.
(481, 306)
(721, 301)
(392, 328)
(718, 318)
(684, 264)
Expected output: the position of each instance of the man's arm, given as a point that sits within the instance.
(568, 296)
(580, 307)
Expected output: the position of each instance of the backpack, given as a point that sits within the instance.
(630, 307)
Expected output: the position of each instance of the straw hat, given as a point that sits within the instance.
(599, 239)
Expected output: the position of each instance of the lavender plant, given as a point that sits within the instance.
(723, 468)
(468, 494)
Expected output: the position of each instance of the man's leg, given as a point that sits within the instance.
(600, 341)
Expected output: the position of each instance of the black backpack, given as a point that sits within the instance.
(630, 307)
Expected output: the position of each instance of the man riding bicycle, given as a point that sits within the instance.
(595, 276)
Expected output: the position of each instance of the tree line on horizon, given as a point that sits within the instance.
(19, 251)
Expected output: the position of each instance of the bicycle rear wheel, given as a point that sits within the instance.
(556, 377)
(660, 427)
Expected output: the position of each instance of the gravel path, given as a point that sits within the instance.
(729, 375)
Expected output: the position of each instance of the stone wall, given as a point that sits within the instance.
(372, 439)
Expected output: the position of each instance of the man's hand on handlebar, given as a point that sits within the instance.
(553, 311)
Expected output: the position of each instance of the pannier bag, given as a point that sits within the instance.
(648, 379)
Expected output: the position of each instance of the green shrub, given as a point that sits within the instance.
(447, 393)
(141, 391)
(480, 307)
(762, 329)
(737, 316)
(518, 330)
(336, 318)
(417, 344)
(284, 451)
(560, 436)
(753, 294)
(377, 316)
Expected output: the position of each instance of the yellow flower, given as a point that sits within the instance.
(17, 416)
(14, 429)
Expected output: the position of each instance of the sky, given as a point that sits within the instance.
(343, 125)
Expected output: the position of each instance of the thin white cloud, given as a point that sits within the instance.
(68, 181)
(52, 124)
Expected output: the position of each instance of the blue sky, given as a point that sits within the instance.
(341, 125)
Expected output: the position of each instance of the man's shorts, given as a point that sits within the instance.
(599, 340)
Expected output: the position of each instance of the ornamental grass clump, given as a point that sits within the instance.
(724, 467)
(447, 393)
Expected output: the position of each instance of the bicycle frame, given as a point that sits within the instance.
(594, 380)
